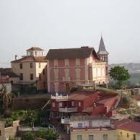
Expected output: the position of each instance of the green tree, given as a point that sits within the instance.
(41, 134)
(28, 136)
(30, 117)
(49, 134)
(119, 74)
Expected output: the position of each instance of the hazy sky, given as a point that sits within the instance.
(68, 24)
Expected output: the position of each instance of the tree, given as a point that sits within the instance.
(30, 117)
(28, 136)
(48, 134)
(41, 134)
(6, 99)
(51, 135)
(119, 74)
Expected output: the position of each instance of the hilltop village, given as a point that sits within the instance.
(66, 94)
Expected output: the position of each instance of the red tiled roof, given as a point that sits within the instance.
(107, 100)
(4, 79)
(71, 53)
(81, 95)
(137, 97)
(34, 48)
(30, 59)
(128, 125)
(101, 96)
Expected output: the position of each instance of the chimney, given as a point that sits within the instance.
(16, 57)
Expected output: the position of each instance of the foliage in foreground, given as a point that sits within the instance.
(48, 134)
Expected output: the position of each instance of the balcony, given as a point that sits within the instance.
(72, 109)
(59, 97)
(65, 121)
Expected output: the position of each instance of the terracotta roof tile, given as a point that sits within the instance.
(30, 59)
(129, 125)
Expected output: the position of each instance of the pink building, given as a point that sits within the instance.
(70, 67)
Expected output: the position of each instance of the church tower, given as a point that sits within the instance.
(102, 53)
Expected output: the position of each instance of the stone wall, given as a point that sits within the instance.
(10, 132)
(29, 103)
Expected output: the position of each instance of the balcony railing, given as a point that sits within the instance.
(65, 121)
(59, 97)
(73, 109)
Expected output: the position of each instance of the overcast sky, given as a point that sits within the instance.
(69, 24)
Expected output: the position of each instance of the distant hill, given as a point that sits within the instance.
(132, 67)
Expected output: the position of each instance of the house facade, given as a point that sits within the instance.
(89, 128)
(128, 129)
(42, 85)
(30, 66)
(91, 103)
(67, 68)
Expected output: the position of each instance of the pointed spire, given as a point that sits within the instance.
(102, 49)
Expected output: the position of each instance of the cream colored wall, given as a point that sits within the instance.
(26, 70)
(2, 136)
(39, 69)
(99, 72)
(10, 132)
(127, 135)
(98, 134)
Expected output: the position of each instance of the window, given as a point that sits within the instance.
(31, 76)
(43, 71)
(80, 125)
(105, 137)
(21, 76)
(134, 136)
(53, 104)
(39, 65)
(79, 137)
(60, 104)
(79, 104)
(121, 133)
(72, 103)
(39, 76)
(78, 74)
(31, 65)
(20, 65)
(106, 70)
(44, 84)
(91, 137)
